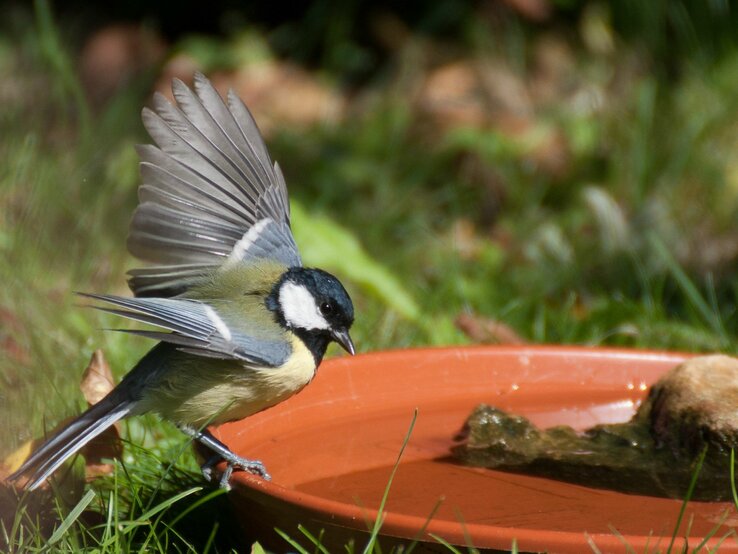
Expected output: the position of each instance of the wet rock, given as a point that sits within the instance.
(696, 404)
(692, 408)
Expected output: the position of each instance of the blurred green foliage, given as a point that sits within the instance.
(328, 245)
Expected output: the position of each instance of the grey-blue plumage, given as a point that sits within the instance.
(200, 328)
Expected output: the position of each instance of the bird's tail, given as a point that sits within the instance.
(58, 448)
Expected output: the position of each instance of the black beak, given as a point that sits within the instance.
(341, 336)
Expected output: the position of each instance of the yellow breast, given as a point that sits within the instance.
(228, 391)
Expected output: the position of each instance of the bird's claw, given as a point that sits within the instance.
(255, 467)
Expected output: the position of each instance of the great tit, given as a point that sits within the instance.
(242, 324)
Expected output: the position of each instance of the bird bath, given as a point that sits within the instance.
(331, 450)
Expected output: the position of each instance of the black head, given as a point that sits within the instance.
(314, 304)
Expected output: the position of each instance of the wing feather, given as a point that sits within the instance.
(207, 183)
(197, 328)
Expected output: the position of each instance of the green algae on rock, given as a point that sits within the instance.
(693, 406)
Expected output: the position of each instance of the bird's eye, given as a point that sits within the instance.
(326, 308)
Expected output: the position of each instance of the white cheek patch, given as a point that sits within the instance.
(299, 307)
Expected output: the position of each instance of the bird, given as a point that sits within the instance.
(241, 323)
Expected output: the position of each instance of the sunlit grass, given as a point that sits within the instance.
(149, 507)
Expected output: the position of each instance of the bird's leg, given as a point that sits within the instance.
(222, 453)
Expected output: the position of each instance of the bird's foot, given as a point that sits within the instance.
(255, 467)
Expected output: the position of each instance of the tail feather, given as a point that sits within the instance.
(56, 450)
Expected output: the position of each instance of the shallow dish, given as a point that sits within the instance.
(331, 449)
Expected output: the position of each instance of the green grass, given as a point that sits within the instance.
(629, 244)
(148, 507)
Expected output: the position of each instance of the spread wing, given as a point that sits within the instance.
(210, 194)
(198, 328)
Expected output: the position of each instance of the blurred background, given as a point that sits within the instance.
(493, 171)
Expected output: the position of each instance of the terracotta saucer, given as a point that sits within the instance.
(331, 449)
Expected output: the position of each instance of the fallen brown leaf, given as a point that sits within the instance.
(544, 146)
(97, 381)
(487, 331)
(181, 66)
(466, 241)
(505, 90)
(281, 93)
(452, 95)
(14, 460)
(116, 54)
(554, 76)
(277, 93)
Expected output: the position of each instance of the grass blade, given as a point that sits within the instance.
(59, 60)
(72, 517)
(378, 523)
(709, 316)
(256, 548)
(211, 539)
(719, 543)
(427, 521)
(317, 541)
(628, 548)
(712, 531)
(293, 543)
(143, 518)
(687, 497)
(591, 543)
(446, 544)
(467, 536)
(207, 498)
(732, 478)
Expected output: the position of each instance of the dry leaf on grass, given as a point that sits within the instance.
(277, 93)
(452, 95)
(182, 66)
(487, 331)
(97, 381)
(116, 54)
(465, 239)
(281, 94)
(14, 460)
(504, 88)
(544, 146)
